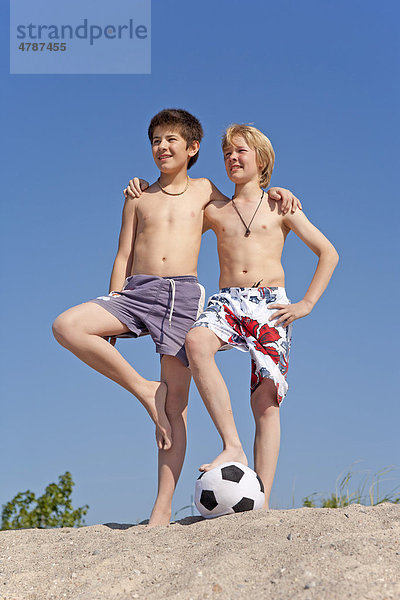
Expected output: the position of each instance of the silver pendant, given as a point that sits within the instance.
(247, 233)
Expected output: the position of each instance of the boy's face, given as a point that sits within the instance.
(169, 149)
(241, 161)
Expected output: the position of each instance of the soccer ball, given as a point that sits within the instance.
(228, 488)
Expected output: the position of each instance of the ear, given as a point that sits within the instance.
(194, 148)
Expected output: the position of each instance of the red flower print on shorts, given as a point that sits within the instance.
(268, 334)
(232, 320)
(269, 350)
(250, 326)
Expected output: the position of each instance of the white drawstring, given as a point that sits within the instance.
(171, 310)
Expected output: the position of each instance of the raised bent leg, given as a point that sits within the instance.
(201, 346)
(170, 462)
(82, 330)
(267, 439)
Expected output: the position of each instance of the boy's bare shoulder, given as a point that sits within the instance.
(292, 219)
(206, 184)
(149, 193)
(275, 210)
(217, 203)
(215, 197)
(202, 184)
(153, 187)
(200, 180)
(130, 203)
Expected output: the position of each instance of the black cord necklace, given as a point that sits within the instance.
(247, 227)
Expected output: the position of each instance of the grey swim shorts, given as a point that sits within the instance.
(164, 307)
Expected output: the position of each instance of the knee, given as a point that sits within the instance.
(264, 402)
(63, 327)
(197, 345)
(265, 411)
(191, 341)
(59, 328)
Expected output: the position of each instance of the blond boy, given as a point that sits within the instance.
(251, 311)
(153, 289)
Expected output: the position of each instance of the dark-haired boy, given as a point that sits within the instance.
(153, 289)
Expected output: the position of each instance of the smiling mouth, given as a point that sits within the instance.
(235, 168)
(163, 157)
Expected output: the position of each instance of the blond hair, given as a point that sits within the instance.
(257, 141)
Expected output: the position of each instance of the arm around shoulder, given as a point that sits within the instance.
(212, 194)
(215, 192)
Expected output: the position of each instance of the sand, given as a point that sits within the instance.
(299, 554)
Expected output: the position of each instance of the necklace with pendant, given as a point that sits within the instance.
(170, 193)
(247, 227)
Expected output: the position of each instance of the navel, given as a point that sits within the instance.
(244, 272)
(164, 259)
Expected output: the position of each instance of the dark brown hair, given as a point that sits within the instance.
(186, 124)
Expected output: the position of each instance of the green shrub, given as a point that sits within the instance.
(52, 509)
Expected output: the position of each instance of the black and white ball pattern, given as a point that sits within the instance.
(229, 488)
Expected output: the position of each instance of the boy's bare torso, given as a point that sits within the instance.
(244, 261)
(169, 229)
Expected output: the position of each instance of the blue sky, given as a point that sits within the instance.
(321, 80)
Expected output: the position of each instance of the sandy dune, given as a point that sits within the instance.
(282, 554)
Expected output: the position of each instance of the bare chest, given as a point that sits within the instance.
(245, 221)
(165, 213)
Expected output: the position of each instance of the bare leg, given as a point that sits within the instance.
(201, 346)
(267, 440)
(177, 378)
(81, 329)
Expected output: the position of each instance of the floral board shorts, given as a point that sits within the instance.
(241, 318)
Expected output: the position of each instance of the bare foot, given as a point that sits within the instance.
(154, 403)
(159, 517)
(231, 454)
